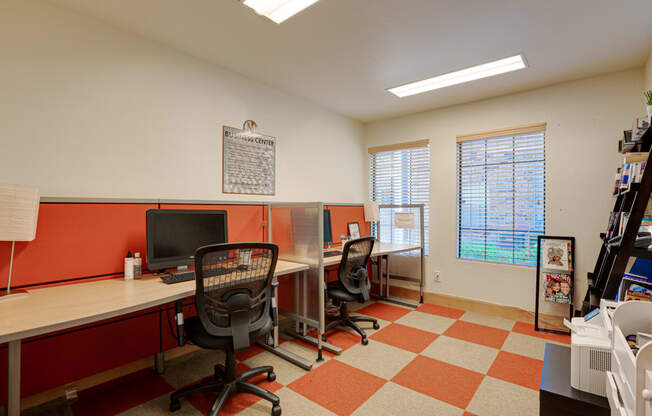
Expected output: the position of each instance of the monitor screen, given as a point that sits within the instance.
(174, 235)
(328, 231)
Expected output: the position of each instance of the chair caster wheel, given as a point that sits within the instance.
(271, 376)
(175, 405)
(376, 325)
(276, 410)
(365, 341)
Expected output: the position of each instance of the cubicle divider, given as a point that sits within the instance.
(85, 240)
(77, 241)
(297, 228)
(342, 215)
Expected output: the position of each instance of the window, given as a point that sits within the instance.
(501, 195)
(400, 174)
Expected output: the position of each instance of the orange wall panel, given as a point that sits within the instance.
(342, 215)
(282, 229)
(77, 240)
(245, 221)
(80, 240)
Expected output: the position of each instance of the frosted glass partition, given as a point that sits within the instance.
(297, 228)
(391, 232)
(399, 230)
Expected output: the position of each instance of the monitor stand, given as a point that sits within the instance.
(179, 270)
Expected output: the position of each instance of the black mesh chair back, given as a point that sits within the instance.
(233, 294)
(352, 272)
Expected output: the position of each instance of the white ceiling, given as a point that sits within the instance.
(343, 54)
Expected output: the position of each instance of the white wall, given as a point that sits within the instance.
(585, 120)
(648, 73)
(90, 111)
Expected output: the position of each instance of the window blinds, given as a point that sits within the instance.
(501, 195)
(400, 174)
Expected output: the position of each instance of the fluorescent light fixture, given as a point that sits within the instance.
(278, 10)
(501, 66)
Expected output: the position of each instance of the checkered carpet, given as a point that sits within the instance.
(432, 361)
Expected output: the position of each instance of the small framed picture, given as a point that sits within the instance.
(354, 230)
(556, 254)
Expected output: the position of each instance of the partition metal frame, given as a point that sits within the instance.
(384, 278)
(304, 291)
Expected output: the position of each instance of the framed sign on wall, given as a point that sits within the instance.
(248, 161)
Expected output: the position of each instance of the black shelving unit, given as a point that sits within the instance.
(613, 257)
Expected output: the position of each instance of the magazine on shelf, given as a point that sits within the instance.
(646, 224)
(617, 185)
(631, 172)
(634, 287)
(624, 179)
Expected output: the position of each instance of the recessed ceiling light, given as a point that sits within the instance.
(278, 10)
(513, 63)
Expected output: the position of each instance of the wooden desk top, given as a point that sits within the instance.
(380, 249)
(59, 307)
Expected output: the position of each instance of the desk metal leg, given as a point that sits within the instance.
(315, 342)
(302, 334)
(159, 363)
(13, 389)
(297, 288)
(387, 274)
(275, 312)
(379, 270)
(274, 348)
(383, 278)
(288, 355)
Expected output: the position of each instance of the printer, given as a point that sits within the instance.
(591, 348)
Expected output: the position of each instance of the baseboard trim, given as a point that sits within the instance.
(100, 378)
(472, 305)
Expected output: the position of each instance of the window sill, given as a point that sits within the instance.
(520, 266)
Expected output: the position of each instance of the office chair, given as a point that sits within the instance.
(352, 285)
(233, 299)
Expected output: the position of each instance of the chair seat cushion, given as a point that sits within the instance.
(336, 291)
(198, 335)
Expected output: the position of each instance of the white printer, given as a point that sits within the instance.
(591, 349)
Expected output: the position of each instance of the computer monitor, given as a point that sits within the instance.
(173, 235)
(328, 230)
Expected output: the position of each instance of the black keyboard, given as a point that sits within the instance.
(178, 277)
(218, 271)
(332, 253)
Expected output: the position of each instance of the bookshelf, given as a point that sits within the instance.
(617, 249)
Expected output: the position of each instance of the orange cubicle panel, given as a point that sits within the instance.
(341, 215)
(87, 241)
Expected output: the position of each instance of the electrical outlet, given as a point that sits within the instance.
(437, 276)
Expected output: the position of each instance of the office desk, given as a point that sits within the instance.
(60, 307)
(382, 251)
